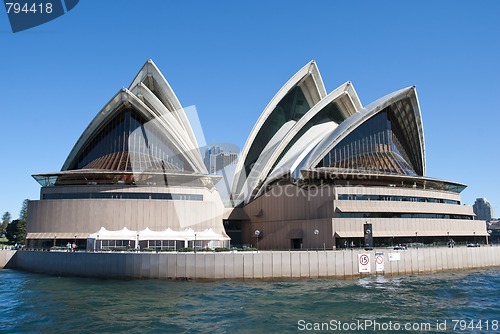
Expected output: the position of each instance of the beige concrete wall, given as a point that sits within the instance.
(262, 265)
(84, 216)
(286, 209)
(278, 235)
(424, 227)
(289, 202)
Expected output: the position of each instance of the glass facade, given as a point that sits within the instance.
(346, 197)
(400, 215)
(377, 145)
(292, 107)
(128, 142)
(122, 195)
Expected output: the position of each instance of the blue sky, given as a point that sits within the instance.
(230, 58)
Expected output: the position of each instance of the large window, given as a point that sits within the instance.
(129, 142)
(400, 215)
(377, 145)
(122, 195)
(353, 197)
(292, 107)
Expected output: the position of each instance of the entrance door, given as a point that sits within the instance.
(296, 243)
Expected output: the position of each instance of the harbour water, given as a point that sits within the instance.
(33, 303)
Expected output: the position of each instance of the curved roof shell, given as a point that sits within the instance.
(164, 136)
(320, 120)
(282, 146)
(404, 104)
(288, 106)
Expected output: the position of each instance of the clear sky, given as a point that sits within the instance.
(230, 58)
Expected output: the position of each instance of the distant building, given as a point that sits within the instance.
(216, 159)
(483, 209)
(494, 231)
(224, 159)
(210, 158)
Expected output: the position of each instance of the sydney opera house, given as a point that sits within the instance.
(315, 170)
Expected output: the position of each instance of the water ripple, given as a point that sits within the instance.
(32, 303)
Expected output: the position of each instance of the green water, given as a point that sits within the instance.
(32, 303)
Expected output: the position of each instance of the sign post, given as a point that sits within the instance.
(364, 263)
(379, 262)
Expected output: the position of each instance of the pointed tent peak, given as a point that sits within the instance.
(102, 230)
(189, 233)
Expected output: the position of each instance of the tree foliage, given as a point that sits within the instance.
(5, 221)
(16, 231)
(23, 215)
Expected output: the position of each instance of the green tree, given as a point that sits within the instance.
(16, 231)
(23, 215)
(5, 222)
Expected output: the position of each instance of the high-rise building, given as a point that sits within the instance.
(210, 158)
(483, 209)
(216, 159)
(224, 159)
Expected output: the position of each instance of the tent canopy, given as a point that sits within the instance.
(148, 234)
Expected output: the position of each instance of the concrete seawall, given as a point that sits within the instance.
(5, 256)
(261, 265)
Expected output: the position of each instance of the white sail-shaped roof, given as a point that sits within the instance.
(151, 76)
(275, 121)
(163, 115)
(413, 129)
(152, 98)
(336, 107)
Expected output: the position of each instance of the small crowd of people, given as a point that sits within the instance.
(451, 243)
(350, 245)
(10, 247)
(71, 246)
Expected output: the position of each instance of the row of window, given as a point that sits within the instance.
(349, 197)
(400, 215)
(122, 195)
